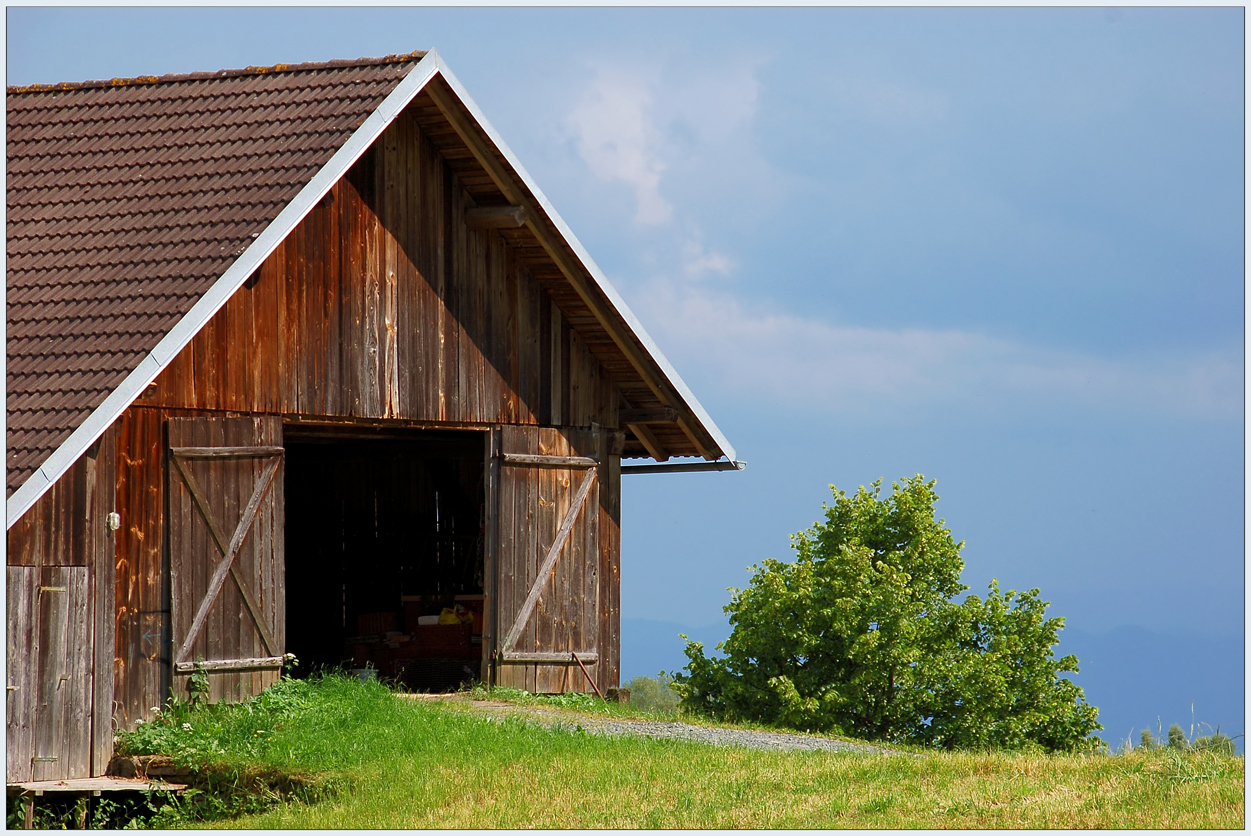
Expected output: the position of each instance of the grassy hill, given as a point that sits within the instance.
(358, 757)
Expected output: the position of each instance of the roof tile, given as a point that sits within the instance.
(128, 198)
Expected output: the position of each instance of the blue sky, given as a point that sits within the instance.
(1000, 247)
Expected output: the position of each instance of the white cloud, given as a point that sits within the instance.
(807, 363)
(615, 136)
(698, 262)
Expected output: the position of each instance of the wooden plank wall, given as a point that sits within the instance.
(383, 304)
(141, 608)
(67, 527)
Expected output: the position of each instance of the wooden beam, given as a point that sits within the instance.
(510, 657)
(528, 460)
(496, 217)
(262, 663)
(225, 452)
(650, 442)
(661, 415)
(573, 273)
(696, 438)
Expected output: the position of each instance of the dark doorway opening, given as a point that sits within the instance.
(384, 553)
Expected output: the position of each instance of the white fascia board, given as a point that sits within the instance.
(597, 275)
(222, 289)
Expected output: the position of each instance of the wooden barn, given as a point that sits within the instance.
(300, 360)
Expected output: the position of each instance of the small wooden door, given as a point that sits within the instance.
(545, 555)
(227, 570)
(49, 690)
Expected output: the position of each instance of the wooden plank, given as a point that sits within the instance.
(103, 593)
(547, 603)
(608, 608)
(529, 551)
(80, 615)
(561, 462)
(490, 554)
(91, 785)
(21, 663)
(241, 452)
(255, 663)
(549, 560)
(507, 548)
(518, 657)
(63, 686)
(505, 304)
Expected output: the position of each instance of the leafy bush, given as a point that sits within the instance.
(652, 693)
(861, 635)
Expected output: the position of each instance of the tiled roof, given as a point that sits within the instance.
(128, 198)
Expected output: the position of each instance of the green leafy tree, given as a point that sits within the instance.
(861, 635)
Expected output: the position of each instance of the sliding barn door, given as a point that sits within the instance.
(227, 594)
(546, 557)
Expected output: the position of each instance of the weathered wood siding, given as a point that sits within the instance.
(384, 304)
(67, 527)
(50, 672)
(141, 650)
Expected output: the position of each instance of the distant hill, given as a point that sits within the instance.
(1134, 675)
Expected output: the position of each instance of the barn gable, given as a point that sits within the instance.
(137, 209)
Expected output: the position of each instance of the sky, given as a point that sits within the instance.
(999, 247)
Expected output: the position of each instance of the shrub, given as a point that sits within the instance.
(861, 635)
(652, 693)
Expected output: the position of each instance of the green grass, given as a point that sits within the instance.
(387, 762)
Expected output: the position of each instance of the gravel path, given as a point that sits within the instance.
(669, 730)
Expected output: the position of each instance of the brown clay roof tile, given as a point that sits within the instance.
(126, 200)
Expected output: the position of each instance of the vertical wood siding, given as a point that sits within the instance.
(141, 657)
(67, 527)
(383, 304)
(50, 671)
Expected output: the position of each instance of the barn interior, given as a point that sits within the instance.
(384, 553)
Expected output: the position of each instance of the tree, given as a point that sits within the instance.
(861, 635)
